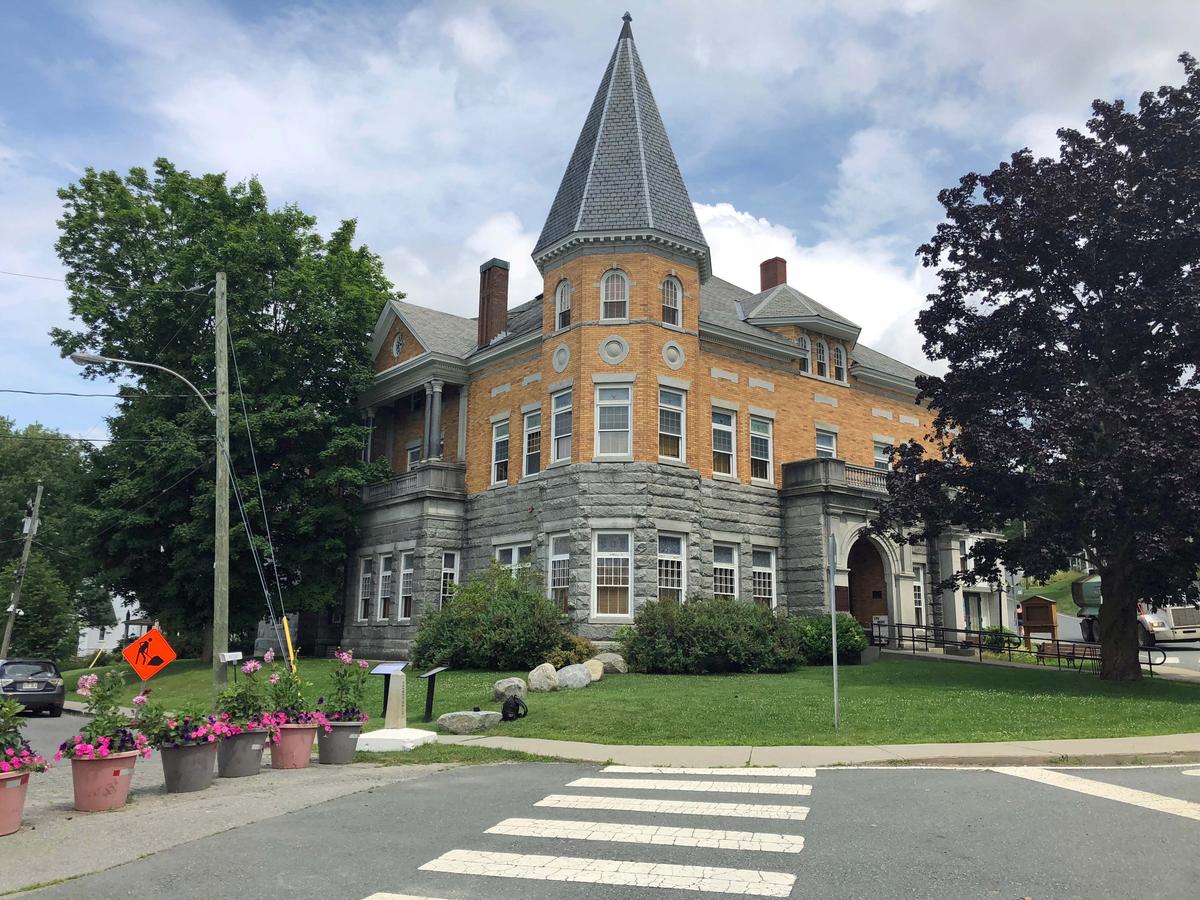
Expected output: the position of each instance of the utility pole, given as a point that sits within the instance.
(16, 595)
(220, 624)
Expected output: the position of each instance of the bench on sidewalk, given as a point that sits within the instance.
(1073, 654)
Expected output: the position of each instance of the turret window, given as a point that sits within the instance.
(562, 305)
(839, 364)
(615, 293)
(672, 302)
(822, 359)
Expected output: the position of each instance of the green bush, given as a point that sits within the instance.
(998, 639)
(816, 640)
(496, 621)
(571, 649)
(710, 635)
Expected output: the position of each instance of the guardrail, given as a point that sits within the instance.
(1079, 655)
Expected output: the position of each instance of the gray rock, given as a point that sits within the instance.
(576, 676)
(509, 687)
(543, 679)
(595, 668)
(468, 721)
(614, 663)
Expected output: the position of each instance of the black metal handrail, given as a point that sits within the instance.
(1074, 654)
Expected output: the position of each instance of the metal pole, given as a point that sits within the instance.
(16, 595)
(833, 621)
(220, 624)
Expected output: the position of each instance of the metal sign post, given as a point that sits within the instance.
(833, 622)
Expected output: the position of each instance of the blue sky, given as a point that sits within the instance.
(816, 131)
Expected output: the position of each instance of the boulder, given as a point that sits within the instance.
(576, 676)
(509, 687)
(543, 679)
(614, 663)
(595, 668)
(468, 721)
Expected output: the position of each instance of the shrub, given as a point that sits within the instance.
(570, 650)
(998, 639)
(710, 635)
(496, 621)
(816, 641)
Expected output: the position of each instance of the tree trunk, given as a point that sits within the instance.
(1119, 657)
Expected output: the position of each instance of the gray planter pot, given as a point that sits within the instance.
(187, 769)
(242, 754)
(337, 747)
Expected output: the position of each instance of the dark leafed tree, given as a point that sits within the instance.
(141, 253)
(1069, 316)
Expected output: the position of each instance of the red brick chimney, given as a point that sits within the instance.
(772, 272)
(493, 300)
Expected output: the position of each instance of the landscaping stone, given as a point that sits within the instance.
(576, 676)
(509, 687)
(595, 668)
(543, 679)
(468, 721)
(614, 663)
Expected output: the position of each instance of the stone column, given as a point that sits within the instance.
(435, 419)
(426, 444)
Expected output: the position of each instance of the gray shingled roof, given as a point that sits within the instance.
(623, 174)
(785, 302)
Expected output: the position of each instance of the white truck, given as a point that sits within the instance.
(1177, 621)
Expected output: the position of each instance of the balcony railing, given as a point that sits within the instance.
(834, 473)
(446, 478)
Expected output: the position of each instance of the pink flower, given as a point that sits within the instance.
(269, 656)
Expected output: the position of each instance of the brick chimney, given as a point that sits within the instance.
(493, 300)
(772, 272)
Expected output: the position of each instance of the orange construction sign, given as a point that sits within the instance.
(149, 654)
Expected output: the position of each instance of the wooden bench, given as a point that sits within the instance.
(1075, 655)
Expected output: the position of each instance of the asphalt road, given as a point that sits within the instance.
(1184, 655)
(869, 833)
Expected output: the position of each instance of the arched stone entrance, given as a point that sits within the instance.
(868, 582)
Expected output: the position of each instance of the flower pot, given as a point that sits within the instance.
(13, 787)
(294, 749)
(241, 754)
(336, 748)
(188, 768)
(103, 783)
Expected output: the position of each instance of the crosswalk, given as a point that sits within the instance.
(647, 834)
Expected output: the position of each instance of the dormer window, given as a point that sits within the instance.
(562, 305)
(802, 346)
(614, 292)
(839, 364)
(822, 359)
(672, 301)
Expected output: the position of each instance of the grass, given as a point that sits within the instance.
(894, 701)
(1058, 589)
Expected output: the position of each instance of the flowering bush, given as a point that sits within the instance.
(346, 698)
(108, 731)
(15, 753)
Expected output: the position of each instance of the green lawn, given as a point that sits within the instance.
(893, 701)
(1057, 588)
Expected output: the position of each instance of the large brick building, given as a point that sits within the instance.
(641, 428)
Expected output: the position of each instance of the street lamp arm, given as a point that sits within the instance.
(85, 359)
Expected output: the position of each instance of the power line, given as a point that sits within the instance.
(77, 394)
(152, 289)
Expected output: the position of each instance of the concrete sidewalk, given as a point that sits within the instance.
(1181, 748)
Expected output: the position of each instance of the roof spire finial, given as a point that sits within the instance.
(626, 31)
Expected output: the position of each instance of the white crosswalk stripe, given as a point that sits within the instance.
(761, 772)
(621, 833)
(540, 867)
(678, 807)
(719, 787)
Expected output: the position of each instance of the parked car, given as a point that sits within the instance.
(34, 683)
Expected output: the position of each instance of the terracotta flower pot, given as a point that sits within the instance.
(294, 750)
(241, 755)
(103, 783)
(337, 747)
(190, 768)
(13, 787)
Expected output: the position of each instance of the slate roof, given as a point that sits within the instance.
(623, 175)
(785, 302)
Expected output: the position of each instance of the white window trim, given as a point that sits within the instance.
(832, 434)
(551, 556)
(682, 409)
(525, 431)
(733, 426)
(496, 426)
(770, 479)
(773, 567)
(735, 566)
(627, 453)
(561, 293)
(554, 435)
(611, 274)
(411, 557)
(612, 617)
(683, 566)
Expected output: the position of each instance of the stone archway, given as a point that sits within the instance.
(868, 581)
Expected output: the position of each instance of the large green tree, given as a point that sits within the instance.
(1068, 312)
(141, 253)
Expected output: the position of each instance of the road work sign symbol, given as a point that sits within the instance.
(149, 654)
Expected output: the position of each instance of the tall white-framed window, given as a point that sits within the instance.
(612, 573)
(805, 355)
(614, 293)
(449, 582)
(822, 359)
(406, 584)
(725, 570)
(724, 441)
(499, 452)
(366, 587)
(672, 301)
(560, 426)
(763, 574)
(383, 607)
(614, 436)
(514, 556)
(918, 594)
(533, 443)
(562, 304)
(413, 458)
(672, 567)
(826, 444)
(672, 419)
(761, 448)
(558, 571)
(883, 456)
(839, 364)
